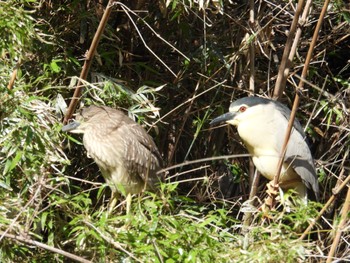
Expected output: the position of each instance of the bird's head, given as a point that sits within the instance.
(83, 120)
(244, 109)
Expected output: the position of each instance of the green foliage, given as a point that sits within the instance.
(332, 113)
(16, 29)
(155, 232)
(28, 142)
(340, 6)
(59, 201)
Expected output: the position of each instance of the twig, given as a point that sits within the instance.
(252, 48)
(155, 32)
(189, 101)
(14, 75)
(44, 246)
(190, 171)
(159, 255)
(325, 207)
(270, 201)
(23, 209)
(254, 176)
(111, 241)
(284, 67)
(293, 50)
(181, 128)
(340, 228)
(88, 61)
(223, 157)
(125, 8)
(204, 178)
(253, 190)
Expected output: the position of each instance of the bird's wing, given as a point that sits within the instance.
(132, 130)
(142, 155)
(285, 112)
(298, 154)
(117, 140)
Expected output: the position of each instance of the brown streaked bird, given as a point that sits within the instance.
(125, 153)
(262, 123)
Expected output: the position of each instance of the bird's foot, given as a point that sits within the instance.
(265, 208)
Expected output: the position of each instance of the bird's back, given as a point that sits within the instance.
(124, 151)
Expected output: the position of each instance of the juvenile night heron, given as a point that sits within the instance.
(261, 124)
(126, 155)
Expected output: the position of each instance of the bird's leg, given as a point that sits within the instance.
(128, 203)
(112, 202)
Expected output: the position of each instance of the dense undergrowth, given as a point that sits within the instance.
(52, 194)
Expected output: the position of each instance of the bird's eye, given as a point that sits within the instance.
(242, 108)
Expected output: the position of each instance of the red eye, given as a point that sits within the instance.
(242, 108)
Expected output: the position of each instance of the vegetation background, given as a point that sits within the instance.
(173, 65)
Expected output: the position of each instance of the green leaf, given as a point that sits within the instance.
(4, 185)
(15, 161)
(54, 66)
(43, 219)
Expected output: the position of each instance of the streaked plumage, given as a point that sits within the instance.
(125, 153)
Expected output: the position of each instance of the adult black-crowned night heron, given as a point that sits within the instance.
(262, 124)
(126, 155)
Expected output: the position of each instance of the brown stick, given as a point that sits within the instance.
(88, 61)
(340, 228)
(253, 190)
(270, 202)
(252, 48)
(285, 63)
(293, 50)
(253, 176)
(14, 75)
(325, 207)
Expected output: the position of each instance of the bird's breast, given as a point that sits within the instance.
(266, 157)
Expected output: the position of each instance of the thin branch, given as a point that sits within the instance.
(154, 32)
(293, 50)
(126, 10)
(188, 101)
(325, 207)
(223, 157)
(252, 48)
(88, 61)
(340, 228)
(23, 209)
(112, 242)
(286, 62)
(44, 246)
(270, 201)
